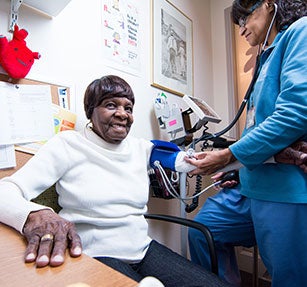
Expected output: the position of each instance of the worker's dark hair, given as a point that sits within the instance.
(288, 11)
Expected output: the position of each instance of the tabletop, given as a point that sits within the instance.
(83, 271)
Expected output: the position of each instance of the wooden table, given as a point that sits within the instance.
(75, 272)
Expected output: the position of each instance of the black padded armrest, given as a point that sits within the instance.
(193, 224)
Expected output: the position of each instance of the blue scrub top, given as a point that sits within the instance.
(279, 98)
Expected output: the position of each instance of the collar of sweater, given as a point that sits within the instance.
(90, 135)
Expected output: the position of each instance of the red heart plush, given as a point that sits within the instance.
(15, 57)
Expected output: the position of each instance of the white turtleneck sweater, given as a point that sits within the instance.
(102, 187)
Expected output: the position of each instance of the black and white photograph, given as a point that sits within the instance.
(172, 59)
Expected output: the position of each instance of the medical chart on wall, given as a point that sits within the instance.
(63, 120)
(7, 156)
(121, 40)
(25, 113)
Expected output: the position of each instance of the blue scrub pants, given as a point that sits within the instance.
(227, 215)
(280, 228)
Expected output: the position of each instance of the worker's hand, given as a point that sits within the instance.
(228, 184)
(210, 161)
(48, 236)
(294, 154)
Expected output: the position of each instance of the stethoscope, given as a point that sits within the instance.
(248, 93)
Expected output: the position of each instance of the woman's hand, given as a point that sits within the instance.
(48, 236)
(228, 184)
(294, 154)
(210, 161)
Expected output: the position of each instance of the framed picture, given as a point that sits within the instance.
(172, 49)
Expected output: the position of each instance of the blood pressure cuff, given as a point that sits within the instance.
(165, 153)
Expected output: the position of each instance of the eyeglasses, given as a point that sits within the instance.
(242, 21)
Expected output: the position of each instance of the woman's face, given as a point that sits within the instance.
(257, 23)
(112, 119)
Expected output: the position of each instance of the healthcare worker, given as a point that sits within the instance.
(271, 201)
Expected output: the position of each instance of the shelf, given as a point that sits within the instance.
(47, 8)
(51, 8)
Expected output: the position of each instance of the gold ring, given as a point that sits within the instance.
(47, 237)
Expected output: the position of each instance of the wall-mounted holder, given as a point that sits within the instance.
(47, 8)
(15, 4)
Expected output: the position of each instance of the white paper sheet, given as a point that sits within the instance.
(7, 156)
(25, 113)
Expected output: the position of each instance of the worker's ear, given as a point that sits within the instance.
(270, 5)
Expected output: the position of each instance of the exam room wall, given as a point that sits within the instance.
(70, 45)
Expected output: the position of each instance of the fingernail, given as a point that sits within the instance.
(30, 256)
(77, 250)
(58, 258)
(43, 259)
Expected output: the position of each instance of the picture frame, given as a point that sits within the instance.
(172, 49)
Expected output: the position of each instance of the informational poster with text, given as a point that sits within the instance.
(121, 35)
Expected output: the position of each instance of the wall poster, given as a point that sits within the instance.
(121, 40)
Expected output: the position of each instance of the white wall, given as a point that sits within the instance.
(71, 49)
(219, 54)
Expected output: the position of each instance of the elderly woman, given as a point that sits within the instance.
(102, 182)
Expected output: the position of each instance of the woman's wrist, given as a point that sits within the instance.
(228, 156)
